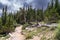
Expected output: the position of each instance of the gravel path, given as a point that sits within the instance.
(17, 34)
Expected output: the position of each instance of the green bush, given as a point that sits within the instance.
(58, 32)
(25, 25)
(29, 35)
(5, 30)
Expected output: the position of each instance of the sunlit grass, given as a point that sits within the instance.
(30, 34)
(58, 32)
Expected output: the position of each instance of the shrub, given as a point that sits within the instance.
(58, 32)
(25, 25)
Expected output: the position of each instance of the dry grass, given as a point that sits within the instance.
(43, 33)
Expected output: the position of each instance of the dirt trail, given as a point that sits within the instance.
(17, 34)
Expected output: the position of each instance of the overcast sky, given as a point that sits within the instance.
(14, 5)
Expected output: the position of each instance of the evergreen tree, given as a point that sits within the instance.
(4, 15)
(52, 3)
(56, 3)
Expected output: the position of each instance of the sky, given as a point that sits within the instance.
(14, 5)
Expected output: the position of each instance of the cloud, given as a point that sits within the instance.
(14, 5)
(5, 2)
(0, 12)
(1, 5)
(39, 3)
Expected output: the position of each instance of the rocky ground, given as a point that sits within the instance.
(40, 33)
